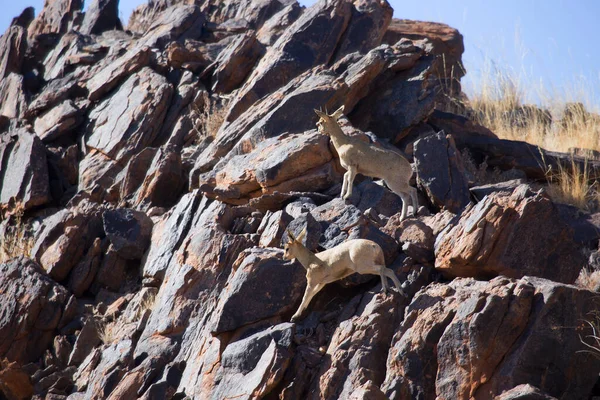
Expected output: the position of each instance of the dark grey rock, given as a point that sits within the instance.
(128, 231)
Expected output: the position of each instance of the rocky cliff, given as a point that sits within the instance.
(148, 175)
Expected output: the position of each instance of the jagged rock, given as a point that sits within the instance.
(12, 96)
(100, 16)
(128, 121)
(13, 45)
(357, 351)
(58, 121)
(64, 253)
(515, 235)
(54, 92)
(164, 180)
(87, 339)
(308, 42)
(128, 232)
(235, 63)
(174, 24)
(524, 392)
(54, 18)
(440, 171)
(272, 227)
(15, 383)
(506, 187)
(57, 61)
(85, 271)
(291, 108)
(124, 124)
(31, 311)
(263, 286)
(108, 77)
(169, 234)
(130, 179)
(276, 25)
(252, 366)
(456, 125)
(368, 24)
(301, 161)
(477, 339)
(108, 371)
(445, 41)
(377, 198)
(24, 176)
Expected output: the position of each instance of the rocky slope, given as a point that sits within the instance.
(147, 177)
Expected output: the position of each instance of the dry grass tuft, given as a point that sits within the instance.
(556, 124)
(16, 238)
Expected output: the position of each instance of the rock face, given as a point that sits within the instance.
(150, 179)
(495, 238)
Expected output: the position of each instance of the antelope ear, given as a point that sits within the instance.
(338, 113)
(301, 235)
(321, 114)
(291, 235)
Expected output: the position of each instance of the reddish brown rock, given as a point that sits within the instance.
(301, 161)
(308, 42)
(15, 383)
(163, 182)
(13, 102)
(63, 254)
(100, 16)
(108, 77)
(441, 172)
(31, 311)
(235, 63)
(13, 44)
(54, 17)
(58, 121)
(470, 339)
(24, 176)
(262, 286)
(446, 42)
(515, 235)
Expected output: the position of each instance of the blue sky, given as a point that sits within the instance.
(550, 44)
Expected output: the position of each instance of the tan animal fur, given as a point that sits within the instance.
(359, 157)
(357, 255)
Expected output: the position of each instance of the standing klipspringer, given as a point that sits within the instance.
(357, 156)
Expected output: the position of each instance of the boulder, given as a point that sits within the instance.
(440, 171)
(13, 102)
(252, 366)
(111, 75)
(27, 184)
(64, 253)
(446, 42)
(13, 44)
(163, 182)
(311, 40)
(32, 308)
(100, 16)
(262, 286)
(477, 339)
(517, 235)
(235, 63)
(15, 383)
(169, 233)
(301, 162)
(57, 121)
(128, 231)
(55, 17)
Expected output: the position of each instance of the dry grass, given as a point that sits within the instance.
(573, 186)
(16, 239)
(558, 123)
(592, 340)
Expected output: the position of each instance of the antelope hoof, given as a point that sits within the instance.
(294, 318)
